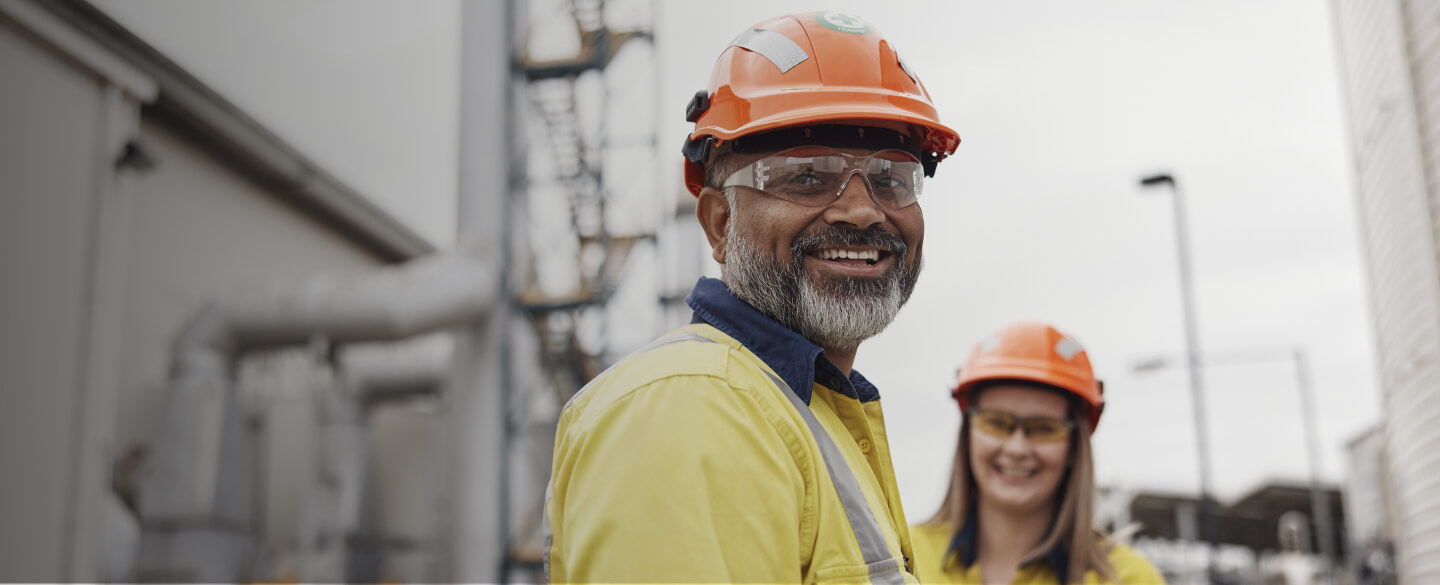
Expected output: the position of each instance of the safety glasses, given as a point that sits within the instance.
(814, 176)
(1040, 429)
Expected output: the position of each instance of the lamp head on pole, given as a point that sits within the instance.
(1150, 365)
(1156, 180)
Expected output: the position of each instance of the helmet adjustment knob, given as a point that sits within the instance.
(698, 105)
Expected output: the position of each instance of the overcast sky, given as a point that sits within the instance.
(1062, 106)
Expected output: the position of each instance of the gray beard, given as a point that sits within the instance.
(836, 314)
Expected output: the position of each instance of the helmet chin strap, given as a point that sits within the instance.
(698, 151)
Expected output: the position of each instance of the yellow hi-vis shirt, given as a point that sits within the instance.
(692, 462)
(932, 542)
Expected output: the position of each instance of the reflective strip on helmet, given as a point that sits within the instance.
(1067, 347)
(776, 47)
(906, 68)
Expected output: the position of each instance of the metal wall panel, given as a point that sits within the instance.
(104, 264)
(1417, 415)
(49, 128)
(1390, 52)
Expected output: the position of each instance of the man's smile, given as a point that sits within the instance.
(852, 261)
(850, 256)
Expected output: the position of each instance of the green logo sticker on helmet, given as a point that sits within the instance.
(839, 21)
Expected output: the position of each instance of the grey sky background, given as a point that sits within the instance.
(1061, 106)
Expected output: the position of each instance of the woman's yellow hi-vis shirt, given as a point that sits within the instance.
(692, 462)
(932, 542)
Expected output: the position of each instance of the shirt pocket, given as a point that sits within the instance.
(886, 571)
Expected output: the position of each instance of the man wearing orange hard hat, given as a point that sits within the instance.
(745, 447)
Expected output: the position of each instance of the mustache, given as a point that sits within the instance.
(836, 236)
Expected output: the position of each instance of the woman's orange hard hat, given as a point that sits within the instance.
(1035, 352)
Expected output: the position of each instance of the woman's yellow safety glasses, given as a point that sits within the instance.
(1040, 429)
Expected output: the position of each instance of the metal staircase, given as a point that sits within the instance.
(569, 325)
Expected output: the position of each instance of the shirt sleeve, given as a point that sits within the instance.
(1133, 568)
(687, 479)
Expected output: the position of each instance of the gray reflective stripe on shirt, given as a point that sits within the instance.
(545, 531)
(776, 47)
(663, 341)
(884, 568)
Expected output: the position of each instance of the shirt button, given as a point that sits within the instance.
(864, 446)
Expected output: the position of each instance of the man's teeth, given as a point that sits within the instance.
(871, 255)
(1015, 472)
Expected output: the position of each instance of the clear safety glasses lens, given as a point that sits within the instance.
(1040, 429)
(814, 176)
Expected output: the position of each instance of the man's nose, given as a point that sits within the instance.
(855, 205)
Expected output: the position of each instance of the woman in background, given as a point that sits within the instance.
(1022, 494)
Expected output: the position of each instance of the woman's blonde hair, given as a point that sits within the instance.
(1073, 525)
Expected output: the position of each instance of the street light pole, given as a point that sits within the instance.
(1319, 498)
(1192, 366)
(1319, 506)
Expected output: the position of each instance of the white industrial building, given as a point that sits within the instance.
(1390, 57)
(222, 363)
(133, 194)
(1369, 508)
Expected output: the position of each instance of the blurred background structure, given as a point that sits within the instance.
(1389, 56)
(343, 402)
(232, 349)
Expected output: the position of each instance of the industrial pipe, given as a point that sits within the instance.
(196, 500)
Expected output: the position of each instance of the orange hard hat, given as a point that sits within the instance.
(1033, 352)
(815, 68)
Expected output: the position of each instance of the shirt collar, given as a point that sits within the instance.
(795, 359)
(964, 545)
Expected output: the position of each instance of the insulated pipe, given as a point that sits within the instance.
(370, 376)
(389, 304)
(373, 374)
(492, 170)
(197, 500)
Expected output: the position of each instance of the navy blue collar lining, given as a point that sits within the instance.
(965, 541)
(795, 359)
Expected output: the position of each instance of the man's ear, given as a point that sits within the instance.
(713, 211)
